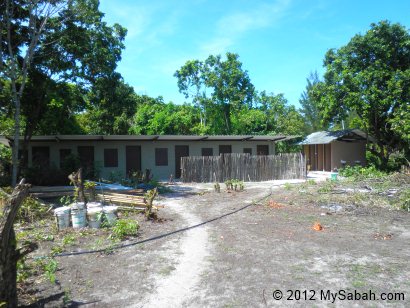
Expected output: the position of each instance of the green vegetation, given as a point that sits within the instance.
(50, 268)
(360, 173)
(370, 78)
(234, 184)
(287, 186)
(124, 228)
(404, 200)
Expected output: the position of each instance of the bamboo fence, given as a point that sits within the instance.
(244, 167)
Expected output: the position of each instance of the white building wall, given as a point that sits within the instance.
(147, 153)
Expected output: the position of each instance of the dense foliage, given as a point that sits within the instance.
(370, 76)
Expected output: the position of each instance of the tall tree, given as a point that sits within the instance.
(63, 40)
(191, 82)
(111, 105)
(21, 27)
(229, 86)
(310, 107)
(232, 87)
(155, 117)
(371, 76)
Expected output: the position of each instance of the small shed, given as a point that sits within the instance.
(330, 150)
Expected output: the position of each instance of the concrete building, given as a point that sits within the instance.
(122, 154)
(327, 151)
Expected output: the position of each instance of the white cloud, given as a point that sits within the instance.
(231, 27)
(147, 24)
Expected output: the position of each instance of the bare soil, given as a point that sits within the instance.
(239, 259)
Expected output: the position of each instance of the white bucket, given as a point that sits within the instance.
(78, 217)
(62, 215)
(93, 205)
(94, 215)
(110, 214)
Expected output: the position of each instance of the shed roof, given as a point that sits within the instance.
(325, 137)
(58, 138)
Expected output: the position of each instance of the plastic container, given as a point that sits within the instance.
(333, 176)
(78, 215)
(94, 204)
(94, 215)
(62, 215)
(110, 214)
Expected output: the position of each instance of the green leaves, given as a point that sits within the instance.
(370, 76)
(227, 84)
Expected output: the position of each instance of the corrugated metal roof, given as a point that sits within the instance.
(58, 138)
(325, 137)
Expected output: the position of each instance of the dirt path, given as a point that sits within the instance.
(239, 260)
(175, 289)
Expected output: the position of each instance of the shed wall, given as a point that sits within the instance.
(349, 152)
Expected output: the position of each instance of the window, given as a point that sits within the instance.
(247, 151)
(262, 150)
(40, 156)
(207, 151)
(161, 157)
(225, 149)
(110, 157)
(64, 153)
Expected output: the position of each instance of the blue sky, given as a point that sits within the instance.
(279, 41)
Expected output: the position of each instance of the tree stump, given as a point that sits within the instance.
(9, 255)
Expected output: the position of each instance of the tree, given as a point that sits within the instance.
(229, 85)
(310, 107)
(371, 76)
(21, 28)
(191, 82)
(111, 104)
(157, 118)
(62, 40)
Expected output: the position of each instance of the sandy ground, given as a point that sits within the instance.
(240, 259)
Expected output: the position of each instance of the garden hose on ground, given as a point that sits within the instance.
(73, 253)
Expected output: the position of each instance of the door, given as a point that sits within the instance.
(328, 157)
(313, 157)
(86, 156)
(320, 157)
(180, 151)
(132, 159)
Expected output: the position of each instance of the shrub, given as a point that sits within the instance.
(31, 210)
(360, 173)
(404, 200)
(124, 228)
(5, 165)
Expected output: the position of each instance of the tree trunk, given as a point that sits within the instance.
(77, 179)
(16, 141)
(9, 255)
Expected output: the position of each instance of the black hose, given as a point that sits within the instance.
(73, 253)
